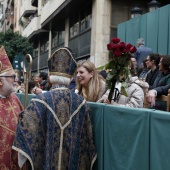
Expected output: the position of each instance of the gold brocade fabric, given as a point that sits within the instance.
(9, 110)
(55, 132)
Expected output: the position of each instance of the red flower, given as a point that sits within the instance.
(129, 46)
(110, 46)
(117, 53)
(120, 52)
(115, 40)
(125, 50)
(122, 46)
(115, 46)
(133, 49)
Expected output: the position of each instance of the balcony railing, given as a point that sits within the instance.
(27, 9)
(33, 26)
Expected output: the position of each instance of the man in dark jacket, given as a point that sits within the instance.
(43, 81)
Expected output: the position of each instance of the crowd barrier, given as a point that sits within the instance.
(129, 138)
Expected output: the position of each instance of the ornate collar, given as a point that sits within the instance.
(59, 86)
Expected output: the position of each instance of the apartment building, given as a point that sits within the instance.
(7, 14)
(85, 26)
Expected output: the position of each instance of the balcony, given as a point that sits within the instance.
(32, 27)
(53, 5)
(27, 9)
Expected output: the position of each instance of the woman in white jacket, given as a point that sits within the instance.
(135, 92)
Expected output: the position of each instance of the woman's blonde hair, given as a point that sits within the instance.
(94, 83)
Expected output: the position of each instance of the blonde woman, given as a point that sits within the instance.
(89, 83)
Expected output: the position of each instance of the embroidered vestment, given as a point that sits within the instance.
(55, 132)
(10, 108)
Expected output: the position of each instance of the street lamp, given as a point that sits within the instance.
(135, 11)
(153, 5)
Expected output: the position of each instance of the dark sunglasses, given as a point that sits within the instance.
(12, 76)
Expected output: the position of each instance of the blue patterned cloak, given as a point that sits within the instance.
(55, 132)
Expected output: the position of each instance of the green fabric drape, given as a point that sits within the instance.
(154, 27)
(126, 138)
(163, 28)
(143, 27)
(160, 140)
(132, 30)
(122, 31)
(129, 138)
(97, 113)
(21, 96)
(152, 30)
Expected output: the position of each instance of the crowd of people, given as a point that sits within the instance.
(55, 130)
(145, 69)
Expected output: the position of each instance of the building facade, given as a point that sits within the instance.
(85, 26)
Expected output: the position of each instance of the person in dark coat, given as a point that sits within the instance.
(152, 63)
(43, 83)
(161, 84)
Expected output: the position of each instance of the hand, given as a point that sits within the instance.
(37, 90)
(106, 100)
(151, 97)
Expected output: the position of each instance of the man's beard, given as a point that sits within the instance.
(8, 88)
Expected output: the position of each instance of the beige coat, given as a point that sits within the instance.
(135, 92)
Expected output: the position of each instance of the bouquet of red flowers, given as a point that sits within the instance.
(120, 55)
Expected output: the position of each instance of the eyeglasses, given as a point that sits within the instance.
(12, 76)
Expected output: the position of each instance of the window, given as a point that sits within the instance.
(54, 39)
(80, 22)
(58, 38)
(71, 32)
(88, 21)
(74, 25)
(46, 46)
(76, 29)
(42, 49)
(36, 52)
(61, 35)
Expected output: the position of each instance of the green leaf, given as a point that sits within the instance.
(123, 91)
(110, 76)
(109, 84)
(110, 65)
(101, 67)
(124, 84)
